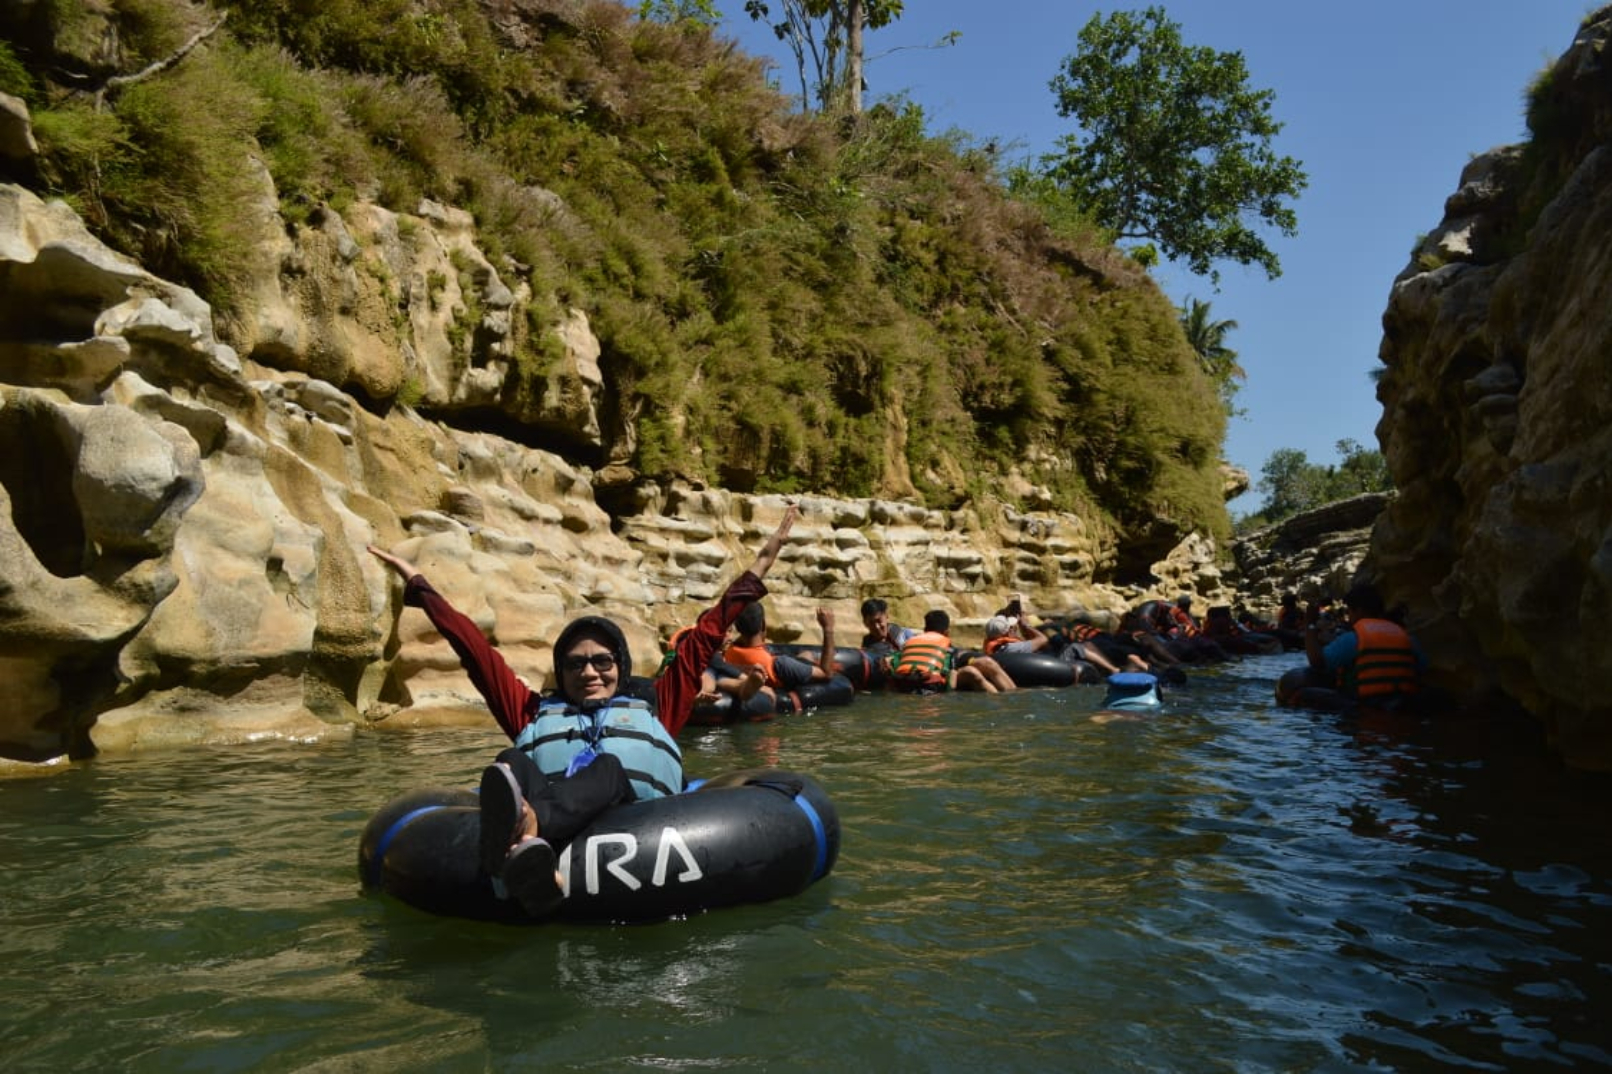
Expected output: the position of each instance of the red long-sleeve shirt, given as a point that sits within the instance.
(514, 704)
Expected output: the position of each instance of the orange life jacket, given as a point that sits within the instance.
(926, 657)
(1080, 631)
(1385, 661)
(993, 644)
(753, 656)
(1184, 622)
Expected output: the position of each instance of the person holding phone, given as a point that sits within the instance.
(1010, 631)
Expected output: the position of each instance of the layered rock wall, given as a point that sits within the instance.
(182, 530)
(1497, 418)
(1314, 554)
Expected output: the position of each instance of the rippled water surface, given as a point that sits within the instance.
(1222, 886)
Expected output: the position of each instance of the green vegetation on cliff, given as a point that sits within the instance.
(785, 302)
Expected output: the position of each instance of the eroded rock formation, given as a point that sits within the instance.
(1497, 422)
(1314, 554)
(182, 530)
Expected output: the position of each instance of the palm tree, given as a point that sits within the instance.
(1207, 337)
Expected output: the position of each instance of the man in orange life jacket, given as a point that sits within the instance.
(1009, 631)
(1374, 661)
(719, 678)
(924, 665)
(783, 672)
(1182, 621)
(1182, 627)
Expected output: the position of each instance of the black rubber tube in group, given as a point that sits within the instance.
(1036, 669)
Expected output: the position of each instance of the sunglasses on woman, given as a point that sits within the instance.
(601, 662)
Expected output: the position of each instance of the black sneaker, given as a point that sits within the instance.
(501, 806)
(529, 876)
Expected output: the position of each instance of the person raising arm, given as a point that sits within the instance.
(586, 745)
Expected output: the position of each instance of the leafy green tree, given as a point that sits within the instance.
(1174, 147)
(827, 34)
(1207, 337)
(1362, 470)
(1292, 484)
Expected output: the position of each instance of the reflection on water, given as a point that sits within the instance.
(1224, 885)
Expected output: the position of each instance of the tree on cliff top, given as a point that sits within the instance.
(829, 34)
(1174, 147)
(1292, 484)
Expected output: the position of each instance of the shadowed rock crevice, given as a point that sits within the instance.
(36, 468)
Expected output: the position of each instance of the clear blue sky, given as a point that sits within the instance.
(1383, 103)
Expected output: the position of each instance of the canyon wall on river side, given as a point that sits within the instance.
(182, 520)
(1497, 418)
(182, 530)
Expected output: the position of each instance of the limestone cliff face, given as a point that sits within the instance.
(1497, 418)
(1314, 554)
(182, 531)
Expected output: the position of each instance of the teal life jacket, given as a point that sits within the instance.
(624, 727)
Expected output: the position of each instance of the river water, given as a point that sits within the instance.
(1221, 886)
